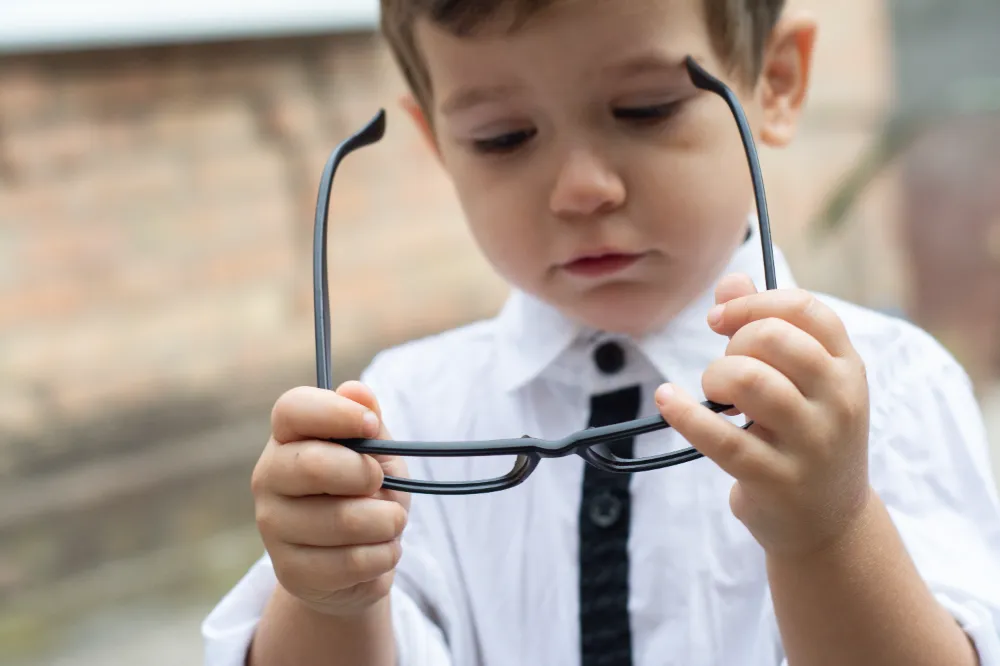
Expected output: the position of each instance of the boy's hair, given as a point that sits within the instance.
(739, 30)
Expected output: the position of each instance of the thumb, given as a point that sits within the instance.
(731, 287)
(391, 465)
(363, 395)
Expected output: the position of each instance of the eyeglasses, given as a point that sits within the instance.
(513, 460)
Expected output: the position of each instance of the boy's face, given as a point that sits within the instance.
(593, 174)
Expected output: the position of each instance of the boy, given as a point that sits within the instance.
(854, 523)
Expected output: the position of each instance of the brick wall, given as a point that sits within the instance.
(156, 211)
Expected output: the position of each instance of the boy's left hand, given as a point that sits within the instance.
(802, 469)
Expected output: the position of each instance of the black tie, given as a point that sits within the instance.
(605, 635)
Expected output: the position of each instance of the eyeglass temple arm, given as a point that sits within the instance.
(705, 81)
(369, 134)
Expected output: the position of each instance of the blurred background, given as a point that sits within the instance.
(158, 173)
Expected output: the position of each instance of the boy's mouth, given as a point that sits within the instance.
(601, 264)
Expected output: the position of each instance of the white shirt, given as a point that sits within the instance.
(492, 580)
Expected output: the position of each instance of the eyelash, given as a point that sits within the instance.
(640, 116)
(504, 143)
(647, 115)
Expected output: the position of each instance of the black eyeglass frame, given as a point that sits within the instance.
(528, 450)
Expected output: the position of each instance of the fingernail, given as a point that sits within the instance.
(715, 315)
(664, 394)
(370, 425)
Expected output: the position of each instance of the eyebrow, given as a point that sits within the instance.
(647, 63)
(466, 98)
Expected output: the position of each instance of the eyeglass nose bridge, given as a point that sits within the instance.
(614, 433)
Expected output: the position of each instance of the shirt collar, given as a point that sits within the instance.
(531, 334)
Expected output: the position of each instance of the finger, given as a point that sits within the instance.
(312, 467)
(737, 452)
(789, 350)
(734, 286)
(312, 413)
(796, 306)
(333, 569)
(763, 394)
(330, 521)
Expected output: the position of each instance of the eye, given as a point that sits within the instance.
(504, 143)
(646, 115)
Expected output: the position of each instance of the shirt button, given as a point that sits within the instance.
(610, 358)
(605, 509)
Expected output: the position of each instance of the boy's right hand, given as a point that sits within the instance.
(332, 532)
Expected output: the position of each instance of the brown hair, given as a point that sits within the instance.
(739, 29)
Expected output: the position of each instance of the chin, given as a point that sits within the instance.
(632, 324)
(631, 314)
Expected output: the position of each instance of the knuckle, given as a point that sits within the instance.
(851, 404)
(772, 334)
(379, 588)
(395, 553)
(259, 479)
(738, 505)
(284, 402)
(713, 381)
(812, 308)
(282, 414)
(289, 571)
(741, 341)
(384, 558)
(387, 556)
(364, 563)
(792, 476)
(685, 413)
(853, 408)
(803, 301)
(759, 338)
(357, 563)
(371, 475)
(730, 449)
(394, 466)
(350, 520)
(399, 518)
(750, 379)
(310, 465)
(267, 521)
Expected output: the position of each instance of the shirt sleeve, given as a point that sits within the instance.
(930, 464)
(419, 612)
(229, 628)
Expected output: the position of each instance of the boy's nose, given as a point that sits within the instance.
(586, 186)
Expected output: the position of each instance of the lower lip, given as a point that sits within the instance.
(602, 266)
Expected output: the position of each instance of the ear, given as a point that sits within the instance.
(784, 80)
(416, 113)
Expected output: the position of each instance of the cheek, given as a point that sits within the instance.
(699, 200)
(504, 224)
(700, 185)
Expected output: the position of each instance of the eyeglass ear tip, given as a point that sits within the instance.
(372, 132)
(699, 76)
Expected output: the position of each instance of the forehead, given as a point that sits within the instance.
(574, 38)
